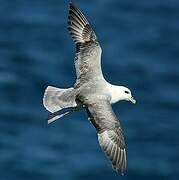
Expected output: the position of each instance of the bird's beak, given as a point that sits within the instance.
(133, 100)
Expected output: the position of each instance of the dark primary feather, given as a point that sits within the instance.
(79, 27)
(110, 135)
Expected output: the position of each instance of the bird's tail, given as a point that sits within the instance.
(56, 99)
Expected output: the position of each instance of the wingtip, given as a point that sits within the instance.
(119, 171)
(78, 26)
(71, 4)
(73, 7)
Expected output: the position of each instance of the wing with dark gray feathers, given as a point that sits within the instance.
(78, 26)
(88, 50)
(110, 135)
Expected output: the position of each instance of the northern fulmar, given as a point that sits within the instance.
(91, 92)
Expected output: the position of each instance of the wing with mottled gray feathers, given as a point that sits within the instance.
(88, 50)
(110, 135)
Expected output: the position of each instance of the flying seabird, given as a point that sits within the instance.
(91, 92)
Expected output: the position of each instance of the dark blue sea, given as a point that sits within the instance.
(140, 42)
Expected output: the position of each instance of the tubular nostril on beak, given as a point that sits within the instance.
(133, 100)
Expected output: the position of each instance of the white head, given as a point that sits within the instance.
(119, 93)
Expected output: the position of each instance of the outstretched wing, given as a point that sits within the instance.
(109, 132)
(79, 27)
(88, 50)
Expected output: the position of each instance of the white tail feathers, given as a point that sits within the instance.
(56, 99)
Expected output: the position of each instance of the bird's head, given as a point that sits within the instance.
(120, 93)
(127, 95)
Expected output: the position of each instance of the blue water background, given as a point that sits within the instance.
(140, 42)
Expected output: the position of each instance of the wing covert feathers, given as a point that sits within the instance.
(79, 27)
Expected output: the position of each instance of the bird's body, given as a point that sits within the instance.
(91, 91)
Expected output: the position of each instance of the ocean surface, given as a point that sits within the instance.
(140, 42)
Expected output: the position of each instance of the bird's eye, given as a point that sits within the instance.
(127, 92)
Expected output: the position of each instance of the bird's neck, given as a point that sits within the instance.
(115, 93)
